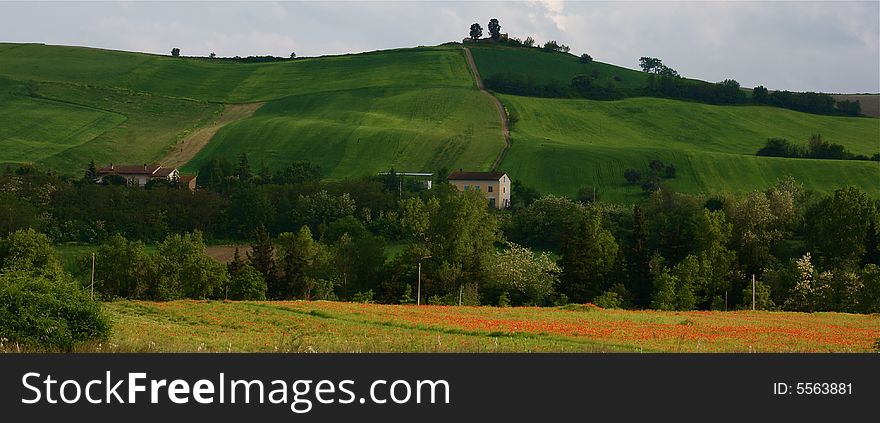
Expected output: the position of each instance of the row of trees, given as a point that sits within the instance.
(327, 240)
(816, 148)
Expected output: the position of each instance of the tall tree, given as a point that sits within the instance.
(262, 258)
(91, 172)
(297, 254)
(175, 52)
(476, 31)
(494, 29)
(837, 227)
(589, 256)
(244, 168)
(639, 260)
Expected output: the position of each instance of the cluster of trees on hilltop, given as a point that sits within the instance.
(816, 148)
(314, 239)
(663, 81)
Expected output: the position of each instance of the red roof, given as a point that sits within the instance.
(476, 176)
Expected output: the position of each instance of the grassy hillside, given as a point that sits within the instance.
(561, 145)
(299, 326)
(415, 109)
(357, 132)
(548, 67)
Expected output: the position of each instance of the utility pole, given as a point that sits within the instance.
(753, 292)
(460, 290)
(419, 294)
(93, 276)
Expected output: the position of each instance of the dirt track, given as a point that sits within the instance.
(505, 130)
(185, 150)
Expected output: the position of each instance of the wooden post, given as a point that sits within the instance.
(93, 276)
(419, 294)
(753, 292)
(460, 290)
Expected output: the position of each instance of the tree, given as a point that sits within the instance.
(476, 31)
(123, 269)
(530, 277)
(91, 172)
(639, 259)
(301, 259)
(547, 222)
(716, 261)
(262, 258)
(30, 251)
(293, 55)
(494, 29)
(175, 52)
(812, 290)
(212, 55)
(650, 64)
(589, 256)
(759, 94)
(529, 42)
(585, 58)
(837, 227)
(244, 168)
(247, 284)
(633, 176)
(298, 172)
(185, 270)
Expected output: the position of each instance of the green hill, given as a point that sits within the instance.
(562, 145)
(550, 67)
(414, 109)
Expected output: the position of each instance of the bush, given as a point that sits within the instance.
(609, 299)
(45, 314)
(363, 297)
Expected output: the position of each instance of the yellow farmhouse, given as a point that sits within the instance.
(494, 185)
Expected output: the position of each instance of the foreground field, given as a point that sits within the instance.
(302, 326)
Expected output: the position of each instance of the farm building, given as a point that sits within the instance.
(141, 175)
(495, 185)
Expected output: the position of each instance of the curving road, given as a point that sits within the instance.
(505, 130)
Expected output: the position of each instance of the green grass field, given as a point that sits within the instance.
(319, 326)
(411, 109)
(547, 67)
(562, 145)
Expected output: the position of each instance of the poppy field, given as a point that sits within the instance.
(319, 326)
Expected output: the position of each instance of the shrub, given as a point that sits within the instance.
(585, 58)
(609, 299)
(45, 314)
(363, 297)
(633, 176)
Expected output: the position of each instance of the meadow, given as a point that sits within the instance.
(304, 326)
(414, 109)
(551, 67)
(561, 145)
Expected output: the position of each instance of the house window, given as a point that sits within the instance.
(489, 188)
(467, 187)
(477, 187)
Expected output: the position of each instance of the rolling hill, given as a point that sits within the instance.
(412, 109)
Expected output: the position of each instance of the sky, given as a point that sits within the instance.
(802, 46)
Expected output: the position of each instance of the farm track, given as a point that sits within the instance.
(185, 150)
(505, 130)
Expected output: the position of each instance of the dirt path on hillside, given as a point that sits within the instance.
(185, 150)
(505, 130)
